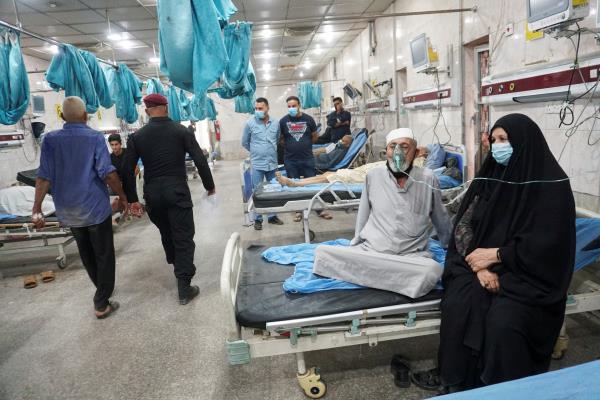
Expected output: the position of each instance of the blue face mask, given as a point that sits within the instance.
(293, 111)
(502, 152)
(259, 114)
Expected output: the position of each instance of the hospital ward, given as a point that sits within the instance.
(299, 199)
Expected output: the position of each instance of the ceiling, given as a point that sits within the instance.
(287, 51)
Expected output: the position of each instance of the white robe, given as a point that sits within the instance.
(389, 249)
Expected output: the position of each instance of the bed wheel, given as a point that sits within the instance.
(312, 384)
(311, 235)
(560, 347)
(61, 262)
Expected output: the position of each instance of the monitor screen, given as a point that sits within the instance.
(418, 51)
(37, 104)
(538, 9)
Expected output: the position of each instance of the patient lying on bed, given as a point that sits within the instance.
(345, 175)
(395, 218)
(328, 156)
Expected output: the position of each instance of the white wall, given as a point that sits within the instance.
(355, 65)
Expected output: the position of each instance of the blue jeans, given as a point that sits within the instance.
(300, 168)
(257, 178)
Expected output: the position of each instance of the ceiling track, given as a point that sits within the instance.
(363, 17)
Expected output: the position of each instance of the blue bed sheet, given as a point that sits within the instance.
(302, 256)
(587, 230)
(273, 186)
(581, 382)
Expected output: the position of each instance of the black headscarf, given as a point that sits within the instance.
(533, 224)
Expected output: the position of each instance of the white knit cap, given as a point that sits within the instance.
(399, 133)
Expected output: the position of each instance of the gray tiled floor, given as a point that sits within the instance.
(51, 347)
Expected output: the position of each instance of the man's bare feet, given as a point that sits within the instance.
(284, 180)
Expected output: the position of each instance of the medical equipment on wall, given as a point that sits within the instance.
(38, 107)
(352, 93)
(424, 57)
(552, 14)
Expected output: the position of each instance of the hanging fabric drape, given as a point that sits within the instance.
(202, 107)
(69, 71)
(153, 85)
(174, 106)
(238, 38)
(245, 103)
(99, 79)
(310, 94)
(125, 90)
(184, 102)
(192, 52)
(14, 83)
(225, 9)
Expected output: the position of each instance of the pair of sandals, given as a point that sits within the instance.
(323, 215)
(403, 377)
(30, 281)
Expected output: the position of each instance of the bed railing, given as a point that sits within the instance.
(231, 271)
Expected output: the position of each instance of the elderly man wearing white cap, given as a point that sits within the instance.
(399, 205)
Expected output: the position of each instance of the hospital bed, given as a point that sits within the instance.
(264, 321)
(20, 230)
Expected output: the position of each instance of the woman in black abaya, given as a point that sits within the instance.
(509, 263)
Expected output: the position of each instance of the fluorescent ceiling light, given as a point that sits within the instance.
(154, 60)
(267, 77)
(318, 50)
(301, 74)
(116, 36)
(53, 49)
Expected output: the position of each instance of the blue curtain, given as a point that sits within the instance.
(245, 103)
(238, 38)
(153, 85)
(225, 9)
(125, 90)
(99, 79)
(192, 52)
(69, 71)
(14, 83)
(174, 104)
(184, 102)
(202, 107)
(310, 94)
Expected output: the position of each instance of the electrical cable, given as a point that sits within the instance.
(567, 109)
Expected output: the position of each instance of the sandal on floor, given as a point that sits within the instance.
(325, 215)
(47, 276)
(112, 307)
(298, 218)
(427, 380)
(401, 371)
(29, 282)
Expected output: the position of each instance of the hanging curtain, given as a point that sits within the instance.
(174, 106)
(126, 93)
(153, 85)
(184, 102)
(14, 83)
(225, 9)
(99, 79)
(192, 52)
(69, 71)
(202, 107)
(310, 94)
(238, 38)
(245, 103)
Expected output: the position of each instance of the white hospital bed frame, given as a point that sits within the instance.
(40, 241)
(369, 326)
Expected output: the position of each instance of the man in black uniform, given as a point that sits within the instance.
(162, 145)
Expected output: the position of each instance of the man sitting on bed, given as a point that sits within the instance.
(328, 156)
(398, 206)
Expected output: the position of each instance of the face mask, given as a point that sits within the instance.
(293, 111)
(502, 152)
(398, 163)
(259, 114)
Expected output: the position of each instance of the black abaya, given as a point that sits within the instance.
(487, 338)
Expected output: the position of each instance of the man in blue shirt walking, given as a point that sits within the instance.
(261, 134)
(76, 165)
